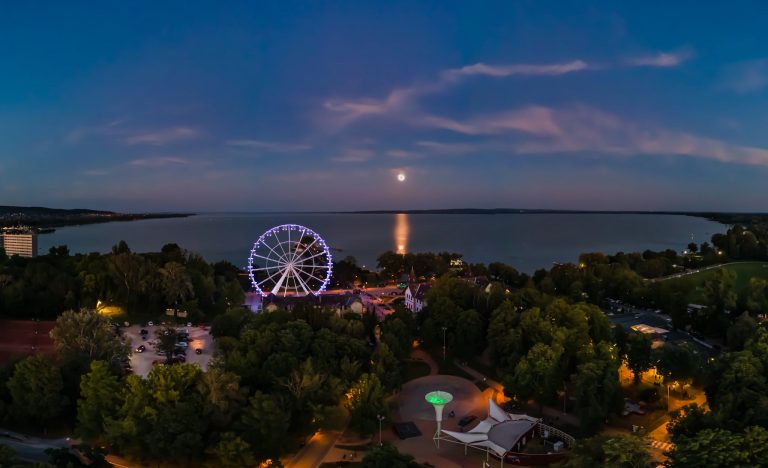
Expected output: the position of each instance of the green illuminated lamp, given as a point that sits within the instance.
(438, 399)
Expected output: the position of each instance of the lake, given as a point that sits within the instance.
(525, 241)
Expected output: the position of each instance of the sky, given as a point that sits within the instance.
(272, 106)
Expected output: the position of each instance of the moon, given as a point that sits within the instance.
(401, 177)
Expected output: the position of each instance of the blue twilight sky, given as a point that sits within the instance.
(283, 105)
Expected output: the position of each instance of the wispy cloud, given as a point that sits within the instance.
(272, 146)
(160, 161)
(537, 120)
(588, 130)
(402, 102)
(403, 154)
(661, 59)
(96, 172)
(746, 77)
(110, 128)
(501, 71)
(164, 136)
(449, 148)
(119, 131)
(342, 112)
(353, 155)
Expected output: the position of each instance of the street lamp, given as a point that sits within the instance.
(444, 329)
(380, 418)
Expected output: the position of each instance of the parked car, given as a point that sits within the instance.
(144, 331)
(182, 344)
(141, 349)
(151, 323)
(199, 351)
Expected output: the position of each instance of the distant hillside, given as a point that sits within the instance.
(42, 211)
(720, 217)
(46, 218)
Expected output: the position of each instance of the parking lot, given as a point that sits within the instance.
(141, 363)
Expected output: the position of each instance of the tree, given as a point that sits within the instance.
(264, 425)
(757, 296)
(610, 452)
(161, 416)
(468, 334)
(386, 367)
(639, 357)
(596, 387)
(223, 398)
(85, 336)
(302, 382)
(737, 390)
(719, 290)
(688, 421)
(627, 452)
(536, 375)
(130, 272)
(35, 389)
(677, 362)
(231, 452)
(167, 339)
(177, 284)
(365, 401)
(8, 457)
(721, 447)
(741, 331)
(100, 398)
(231, 322)
(388, 456)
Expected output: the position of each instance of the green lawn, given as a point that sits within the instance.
(744, 272)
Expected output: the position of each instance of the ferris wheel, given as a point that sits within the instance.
(290, 260)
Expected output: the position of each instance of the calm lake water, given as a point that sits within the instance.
(526, 241)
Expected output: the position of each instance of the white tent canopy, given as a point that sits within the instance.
(500, 432)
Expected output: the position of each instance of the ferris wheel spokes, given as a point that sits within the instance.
(296, 262)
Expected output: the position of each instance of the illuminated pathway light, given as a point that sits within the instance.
(438, 399)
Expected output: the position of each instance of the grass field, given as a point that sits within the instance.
(744, 272)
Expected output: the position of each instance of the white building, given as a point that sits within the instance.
(23, 244)
(416, 296)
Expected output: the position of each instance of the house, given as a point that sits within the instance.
(415, 296)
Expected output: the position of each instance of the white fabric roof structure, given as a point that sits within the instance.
(500, 432)
(496, 412)
(484, 426)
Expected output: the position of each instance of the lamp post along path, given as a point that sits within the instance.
(444, 329)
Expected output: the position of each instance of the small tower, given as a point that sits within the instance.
(438, 399)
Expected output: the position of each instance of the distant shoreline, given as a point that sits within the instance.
(45, 220)
(720, 217)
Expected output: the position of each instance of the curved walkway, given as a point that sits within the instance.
(699, 270)
(423, 356)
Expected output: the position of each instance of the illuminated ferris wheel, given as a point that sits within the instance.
(290, 260)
